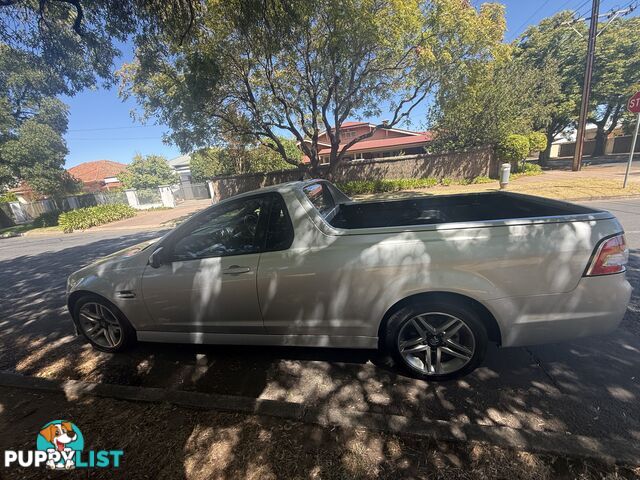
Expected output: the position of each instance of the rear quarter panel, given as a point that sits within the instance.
(344, 283)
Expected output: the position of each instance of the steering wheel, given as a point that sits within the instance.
(250, 222)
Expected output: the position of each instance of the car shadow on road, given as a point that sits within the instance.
(542, 388)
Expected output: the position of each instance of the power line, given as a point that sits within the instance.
(109, 128)
(560, 8)
(526, 22)
(114, 138)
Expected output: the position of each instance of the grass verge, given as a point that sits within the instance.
(585, 188)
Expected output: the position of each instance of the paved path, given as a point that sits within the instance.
(590, 387)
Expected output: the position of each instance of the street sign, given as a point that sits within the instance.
(632, 106)
(634, 103)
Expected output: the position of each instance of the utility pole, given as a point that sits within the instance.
(586, 87)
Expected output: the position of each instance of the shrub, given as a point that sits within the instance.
(360, 187)
(84, 218)
(446, 181)
(526, 169)
(513, 148)
(537, 141)
(8, 197)
(47, 219)
(482, 179)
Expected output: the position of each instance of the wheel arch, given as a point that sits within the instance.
(76, 295)
(488, 319)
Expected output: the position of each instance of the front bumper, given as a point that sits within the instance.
(595, 307)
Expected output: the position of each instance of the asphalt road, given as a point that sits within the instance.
(589, 387)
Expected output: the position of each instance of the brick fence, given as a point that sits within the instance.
(467, 164)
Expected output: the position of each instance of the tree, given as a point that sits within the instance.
(559, 52)
(486, 103)
(616, 77)
(32, 125)
(148, 171)
(73, 41)
(207, 163)
(305, 67)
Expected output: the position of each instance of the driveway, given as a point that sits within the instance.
(589, 387)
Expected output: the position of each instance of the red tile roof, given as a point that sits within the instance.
(398, 142)
(96, 171)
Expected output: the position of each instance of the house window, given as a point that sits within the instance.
(347, 134)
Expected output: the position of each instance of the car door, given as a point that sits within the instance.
(207, 282)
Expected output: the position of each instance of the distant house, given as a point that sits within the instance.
(182, 166)
(98, 175)
(385, 142)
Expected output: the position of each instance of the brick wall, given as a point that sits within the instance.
(467, 164)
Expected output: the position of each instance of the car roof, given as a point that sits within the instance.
(280, 187)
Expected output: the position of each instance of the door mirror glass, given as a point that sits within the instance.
(156, 258)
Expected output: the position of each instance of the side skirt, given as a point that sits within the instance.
(245, 339)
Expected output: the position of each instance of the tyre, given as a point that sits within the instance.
(103, 324)
(436, 340)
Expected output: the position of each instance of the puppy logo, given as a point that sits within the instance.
(61, 440)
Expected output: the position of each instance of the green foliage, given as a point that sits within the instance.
(84, 218)
(513, 148)
(362, 187)
(616, 76)
(560, 54)
(8, 197)
(47, 219)
(359, 187)
(32, 125)
(526, 169)
(297, 66)
(445, 182)
(207, 163)
(537, 141)
(485, 103)
(74, 42)
(148, 171)
(482, 179)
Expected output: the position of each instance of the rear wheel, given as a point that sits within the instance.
(439, 340)
(103, 324)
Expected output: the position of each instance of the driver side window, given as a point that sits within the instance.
(234, 228)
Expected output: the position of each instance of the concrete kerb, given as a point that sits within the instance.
(555, 443)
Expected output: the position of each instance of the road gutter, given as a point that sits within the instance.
(554, 443)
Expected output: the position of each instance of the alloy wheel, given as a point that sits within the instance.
(436, 343)
(100, 325)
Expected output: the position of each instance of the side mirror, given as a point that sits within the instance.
(156, 258)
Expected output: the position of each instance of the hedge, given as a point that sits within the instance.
(48, 219)
(84, 218)
(361, 187)
(527, 169)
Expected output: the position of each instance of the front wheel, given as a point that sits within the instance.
(102, 324)
(439, 340)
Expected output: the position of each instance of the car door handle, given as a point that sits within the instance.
(236, 270)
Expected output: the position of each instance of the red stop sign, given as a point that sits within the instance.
(634, 103)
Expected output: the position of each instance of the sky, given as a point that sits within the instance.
(101, 126)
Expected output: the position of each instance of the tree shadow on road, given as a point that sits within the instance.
(515, 388)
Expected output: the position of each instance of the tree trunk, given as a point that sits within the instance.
(545, 155)
(601, 141)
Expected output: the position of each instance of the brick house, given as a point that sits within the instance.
(385, 142)
(98, 175)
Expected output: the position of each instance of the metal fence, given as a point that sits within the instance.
(149, 197)
(21, 212)
(193, 191)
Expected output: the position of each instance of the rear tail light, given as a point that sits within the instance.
(611, 256)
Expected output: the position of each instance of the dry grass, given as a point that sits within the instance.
(550, 186)
(163, 441)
